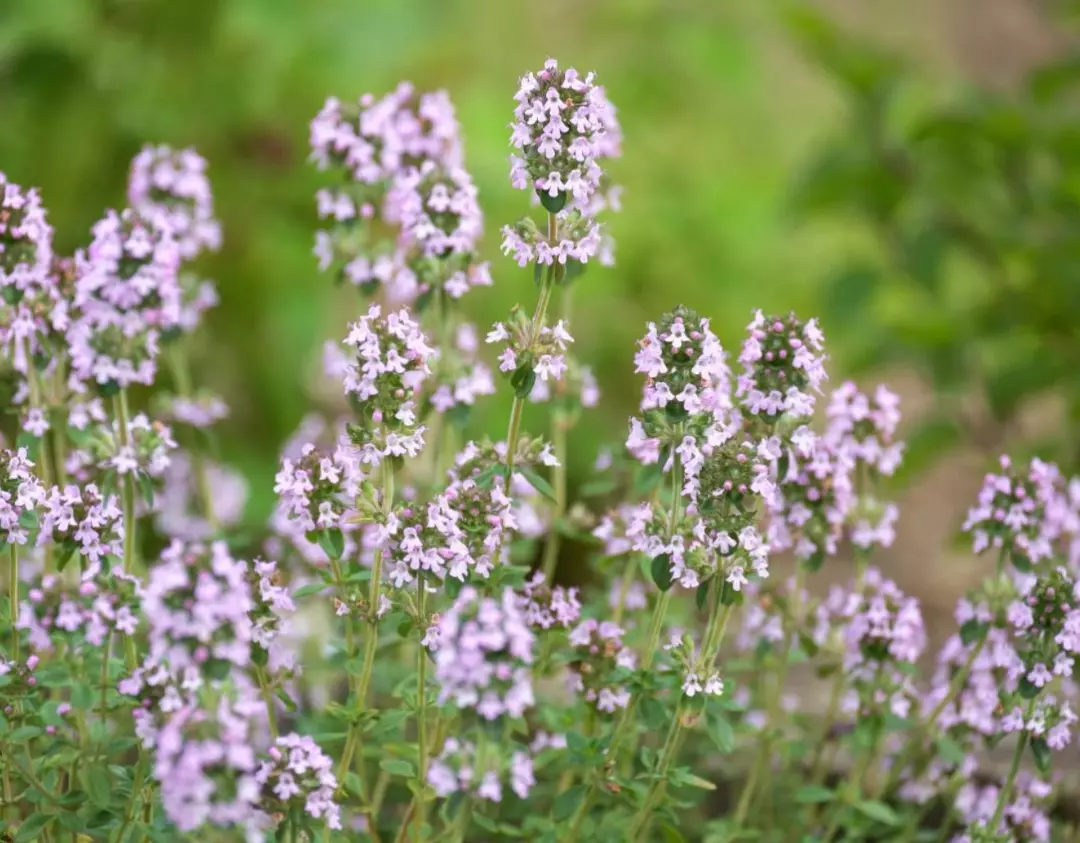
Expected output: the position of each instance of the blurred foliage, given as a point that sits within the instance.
(971, 270)
(84, 83)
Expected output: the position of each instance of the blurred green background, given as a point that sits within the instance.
(723, 107)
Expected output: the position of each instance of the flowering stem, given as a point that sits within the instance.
(714, 636)
(559, 428)
(268, 698)
(44, 471)
(774, 707)
(539, 314)
(120, 410)
(419, 799)
(624, 588)
(13, 602)
(360, 689)
(1018, 755)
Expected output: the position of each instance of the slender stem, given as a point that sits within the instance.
(13, 601)
(420, 799)
(513, 431)
(774, 701)
(360, 688)
(268, 698)
(560, 427)
(1018, 755)
(133, 799)
(120, 411)
(105, 657)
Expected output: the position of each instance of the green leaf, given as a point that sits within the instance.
(721, 732)
(24, 733)
(661, 571)
(696, 781)
(671, 833)
(485, 823)
(146, 487)
(308, 590)
(949, 751)
(566, 804)
(33, 827)
(539, 483)
(82, 696)
(98, 785)
(814, 794)
(972, 631)
(1028, 689)
(1020, 562)
(576, 741)
(1042, 753)
(398, 767)
(878, 811)
(701, 596)
(332, 542)
(552, 204)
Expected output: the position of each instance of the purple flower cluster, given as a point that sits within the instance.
(25, 242)
(271, 615)
(1025, 818)
(21, 495)
(459, 533)
(87, 616)
(391, 358)
(864, 428)
(437, 210)
(549, 606)
(171, 189)
(485, 650)
(177, 509)
(459, 768)
(560, 123)
(316, 491)
(783, 365)
(127, 293)
(540, 352)
(460, 378)
(598, 659)
(298, 773)
(83, 520)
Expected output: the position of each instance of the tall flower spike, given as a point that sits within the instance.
(783, 365)
(559, 127)
(25, 242)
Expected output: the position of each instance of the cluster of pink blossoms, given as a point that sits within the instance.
(21, 493)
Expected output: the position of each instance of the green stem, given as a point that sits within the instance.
(268, 698)
(420, 799)
(360, 688)
(1018, 755)
(182, 381)
(133, 800)
(560, 427)
(120, 411)
(774, 707)
(513, 431)
(105, 657)
(13, 601)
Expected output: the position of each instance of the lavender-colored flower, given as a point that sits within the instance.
(864, 428)
(298, 773)
(82, 520)
(25, 242)
(170, 188)
(550, 606)
(53, 612)
(577, 238)
(559, 126)
(460, 769)
(600, 662)
(178, 504)
(530, 356)
(783, 365)
(201, 411)
(484, 655)
(437, 210)
(21, 496)
(317, 490)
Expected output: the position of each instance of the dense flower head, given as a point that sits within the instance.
(83, 520)
(437, 210)
(376, 139)
(458, 768)
(207, 767)
(484, 654)
(863, 428)
(460, 378)
(299, 774)
(578, 385)
(600, 664)
(200, 411)
(127, 293)
(461, 532)
(148, 452)
(549, 606)
(85, 615)
(272, 614)
(390, 360)
(684, 365)
(880, 630)
(317, 489)
(559, 125)
(783, 365)
(34, 323)
(25, 242)
(198, 605)
(1012, 513)
(171, 188)
(21, 495)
